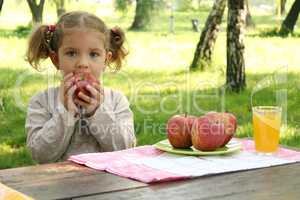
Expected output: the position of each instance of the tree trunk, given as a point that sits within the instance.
(208, 36)
(199, 4)
(142, 14)
(249, 21)
(36, 10)
(282, 6)
(289, 22)
(1, 4)
(235, 74)
(60, 7)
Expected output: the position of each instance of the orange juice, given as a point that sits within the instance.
(266, 127)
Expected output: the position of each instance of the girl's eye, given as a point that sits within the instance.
(71, 53)
(94, 54)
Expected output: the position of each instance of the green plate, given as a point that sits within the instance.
(231, 147)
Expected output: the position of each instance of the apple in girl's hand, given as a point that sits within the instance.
(82, 79)
(179, 130)
(230, 123)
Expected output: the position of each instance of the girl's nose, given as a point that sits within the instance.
(83, 63)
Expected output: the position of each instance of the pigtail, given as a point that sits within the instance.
(38, 47)
(117, 38)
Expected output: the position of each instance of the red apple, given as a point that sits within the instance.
(230, 123)
(179, 131)
(82, 79)
(208, 133)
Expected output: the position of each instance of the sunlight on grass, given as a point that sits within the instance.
(290, 136)
(12, 52)
(14, 157)
(4, 148)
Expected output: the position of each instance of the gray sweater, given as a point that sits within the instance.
(53, 134)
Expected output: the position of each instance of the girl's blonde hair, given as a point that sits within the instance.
(46, 39)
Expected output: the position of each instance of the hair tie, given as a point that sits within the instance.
(115, 34)
(49, 34)
(114, 30)
(51, 28)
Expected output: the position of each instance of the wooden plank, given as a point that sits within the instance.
(63, 181)
(46, 172)
(280, 182)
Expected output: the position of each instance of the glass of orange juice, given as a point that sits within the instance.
(266, 128)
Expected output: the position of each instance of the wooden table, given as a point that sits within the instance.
(67, 180)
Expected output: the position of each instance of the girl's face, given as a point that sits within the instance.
(82, 51)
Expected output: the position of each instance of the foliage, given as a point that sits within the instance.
(122, 5)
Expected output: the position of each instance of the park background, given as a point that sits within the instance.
(156, 77)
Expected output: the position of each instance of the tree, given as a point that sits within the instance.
(1, 4)
(282, 6)
(289, 22)
(123, 5)
(142, 14)
(205, 46)
(36, 10)
(199, 4)
(249, 21)
(235, 74)
(60, 7)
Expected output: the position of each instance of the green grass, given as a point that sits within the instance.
(154, 78)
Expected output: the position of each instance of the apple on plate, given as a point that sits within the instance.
(207, 134)
(213, 130)
(230, 123)
(179, 130)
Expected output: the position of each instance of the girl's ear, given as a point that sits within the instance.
(54, 58)
(108, 57)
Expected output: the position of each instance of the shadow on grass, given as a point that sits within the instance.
(273, 32)
(20, 32)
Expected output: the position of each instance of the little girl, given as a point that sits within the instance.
(58, 124)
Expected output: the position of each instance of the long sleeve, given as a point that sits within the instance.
(49, 131)
(112, 124)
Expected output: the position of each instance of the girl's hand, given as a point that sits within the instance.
(66, 92)
(90, 104)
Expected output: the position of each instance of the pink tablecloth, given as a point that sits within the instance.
(148, 164)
